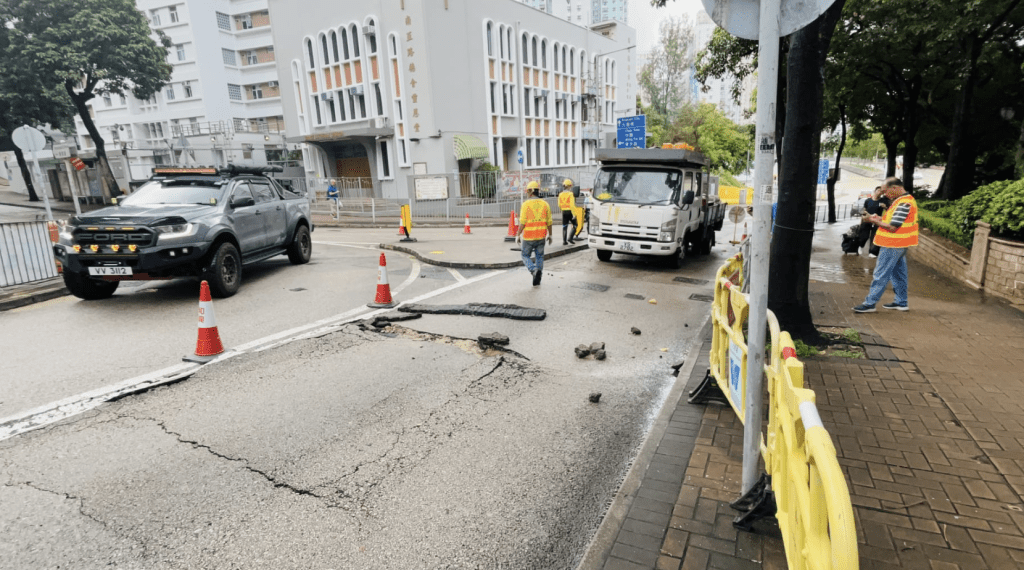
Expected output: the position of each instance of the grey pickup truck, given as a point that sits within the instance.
(186, 222)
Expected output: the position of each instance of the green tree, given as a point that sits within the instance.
(668, 66)
(90, 48)
(714, 135)
(24, 100)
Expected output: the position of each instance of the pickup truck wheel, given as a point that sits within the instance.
(301, 248)
(707, 243)
(83, 287)
(678, 258)
(225, 274)
(604, 255)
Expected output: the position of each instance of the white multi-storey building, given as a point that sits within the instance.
(222, 104)
(389, 92)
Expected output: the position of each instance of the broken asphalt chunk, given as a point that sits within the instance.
(596, 346)
(595, 397)
(492, 339)
(634, 330)
(514, 312)
(582, 351)
(600, 354)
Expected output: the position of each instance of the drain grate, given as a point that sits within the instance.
(699, 297)
(691, 281)
(591, 286)
(634, 296)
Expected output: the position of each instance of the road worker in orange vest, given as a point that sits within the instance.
(534, 226)
(567, 204)
(897, 232)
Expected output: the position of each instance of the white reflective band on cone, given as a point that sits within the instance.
(809, 414)
(206, 318)
(382, 275)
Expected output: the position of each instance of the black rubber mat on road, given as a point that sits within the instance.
(705, 298)
(691, 280)
(514, 312)
(634, 296)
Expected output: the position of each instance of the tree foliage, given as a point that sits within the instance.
(714, 135)
(663, 78)
(90, 48)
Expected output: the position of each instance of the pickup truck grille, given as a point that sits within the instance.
(627, 231)
(141, 237)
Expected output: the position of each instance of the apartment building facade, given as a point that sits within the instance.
(396, 90)
(222, 104)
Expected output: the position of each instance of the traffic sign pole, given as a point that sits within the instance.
(760, 240)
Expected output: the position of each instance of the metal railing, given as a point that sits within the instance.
(26, 253)
(843, 212)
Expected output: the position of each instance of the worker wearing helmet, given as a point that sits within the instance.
(534, 226)
(567, 204)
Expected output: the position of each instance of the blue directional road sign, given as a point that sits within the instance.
(632, 132)
(823, 171)
(520, 157)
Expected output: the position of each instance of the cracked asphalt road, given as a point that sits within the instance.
(409, 447)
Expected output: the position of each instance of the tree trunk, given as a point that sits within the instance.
(830, 187)
(959, 176)
(892, 146)
(911, 125)
(26, 175)
(106, 175)
(798, 177)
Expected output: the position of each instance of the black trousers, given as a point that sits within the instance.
(568, 226)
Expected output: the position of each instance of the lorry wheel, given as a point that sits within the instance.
(83, 287)
(301, 248)
(679, 257)
(706, 244)
(604, 255)
(225, 275)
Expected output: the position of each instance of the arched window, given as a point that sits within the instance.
(544, 54)
(564, 51)
(309, 53)
(611, 79)
(394, 46)
(344, 44)
(501, 42)
(334, 45)
(526, 51)
(555, 50)
(327, 56)
(511, 52)
(572, 61)
(490, 41)
(355, 40)
(535, 60)
(372, 37)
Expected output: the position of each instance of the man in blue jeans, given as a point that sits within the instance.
(534, 226)
(897, 231)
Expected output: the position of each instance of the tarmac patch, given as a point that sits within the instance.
(634, 296)
(591, 286)
(691, 281)
(704, 298)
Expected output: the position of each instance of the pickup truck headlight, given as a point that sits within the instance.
(175, 231)
(668, 231)
(595, 224)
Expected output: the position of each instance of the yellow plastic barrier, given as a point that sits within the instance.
(812, 500)
(733, 194)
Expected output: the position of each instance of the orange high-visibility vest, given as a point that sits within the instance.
(906, 234)
(535, 218)
(566, 201)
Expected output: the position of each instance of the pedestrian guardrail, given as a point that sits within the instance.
(26, 253)
(803, 485)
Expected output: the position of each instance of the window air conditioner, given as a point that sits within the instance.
(369, 30)
(324, 96)
(272, 84)
(356, 90)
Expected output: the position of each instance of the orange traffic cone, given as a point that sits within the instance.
(744, 232)
(512, 229)
(208, 344)
(383, 299)
(466, 230)
(401, 226)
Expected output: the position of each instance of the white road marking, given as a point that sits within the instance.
(73, 405)
(458, 276)
(351, 245)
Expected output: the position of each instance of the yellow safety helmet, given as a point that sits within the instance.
(533, 185)
(567, 182)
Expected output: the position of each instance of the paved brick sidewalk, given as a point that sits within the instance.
(929, 430)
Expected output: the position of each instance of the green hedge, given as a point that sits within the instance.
(945, 228)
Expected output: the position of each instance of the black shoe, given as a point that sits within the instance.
(565, 243)
(536, 277)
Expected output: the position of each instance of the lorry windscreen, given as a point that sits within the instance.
(647, 186)
(177, 191)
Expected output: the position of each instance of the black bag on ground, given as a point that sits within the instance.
(851, 240)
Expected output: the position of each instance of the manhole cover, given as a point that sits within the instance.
(634, 296)
(691, 280)
(591, 286)
(699, 297)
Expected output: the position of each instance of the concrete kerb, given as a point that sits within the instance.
(465, 265)
(15, 302)
(600, 546)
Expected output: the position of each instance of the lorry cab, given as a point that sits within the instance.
(653, 202)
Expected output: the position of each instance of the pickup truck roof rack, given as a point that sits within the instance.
(674, 156)
(235, 169)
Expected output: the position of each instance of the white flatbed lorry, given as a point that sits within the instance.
(656, 201)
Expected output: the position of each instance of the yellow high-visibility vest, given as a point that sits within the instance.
(566, 200)
(906, 234)
(535, 218)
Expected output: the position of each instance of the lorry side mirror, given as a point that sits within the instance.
(243, 201)
(688, 197)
